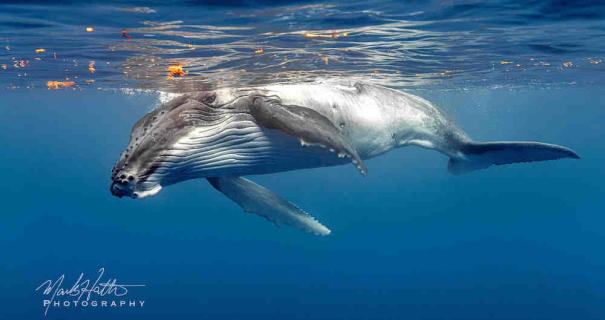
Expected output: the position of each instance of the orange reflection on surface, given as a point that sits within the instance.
(176, 70)
(54, 85)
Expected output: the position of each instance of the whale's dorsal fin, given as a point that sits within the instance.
(259, 200)
(308, 125)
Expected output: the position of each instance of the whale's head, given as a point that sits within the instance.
(153, 157)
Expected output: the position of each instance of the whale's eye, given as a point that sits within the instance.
(209, 99)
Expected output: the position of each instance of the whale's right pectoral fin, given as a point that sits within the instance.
(259, 200)
(308, 125)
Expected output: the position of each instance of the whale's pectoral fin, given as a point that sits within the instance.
(259, 200)
(306, 124)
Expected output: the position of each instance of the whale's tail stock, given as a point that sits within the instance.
(481, 155)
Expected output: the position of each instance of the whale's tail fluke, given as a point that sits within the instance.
(480, 155)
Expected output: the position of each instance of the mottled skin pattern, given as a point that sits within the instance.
(238, 132)
(376, 119)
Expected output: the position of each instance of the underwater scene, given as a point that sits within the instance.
(276, 159)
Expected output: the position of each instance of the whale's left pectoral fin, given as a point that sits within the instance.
(259, 200)
(308, 125)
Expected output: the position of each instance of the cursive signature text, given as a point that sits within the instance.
(83, 289)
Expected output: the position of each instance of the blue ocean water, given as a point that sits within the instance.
(409, 241)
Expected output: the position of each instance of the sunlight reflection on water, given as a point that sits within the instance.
(440, 44)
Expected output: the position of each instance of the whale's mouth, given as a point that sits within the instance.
(120, 190)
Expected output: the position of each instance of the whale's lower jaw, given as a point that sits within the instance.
(147, 193)
(237, 146)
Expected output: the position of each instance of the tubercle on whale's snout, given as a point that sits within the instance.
(123, 181)
(121, 177)
(125, 184)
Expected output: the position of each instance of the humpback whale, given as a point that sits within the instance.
(226, 134)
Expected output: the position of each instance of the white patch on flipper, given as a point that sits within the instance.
(340, 155)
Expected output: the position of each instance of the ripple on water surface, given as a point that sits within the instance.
(443, 44)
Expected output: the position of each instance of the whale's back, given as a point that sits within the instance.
(374, 118)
